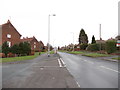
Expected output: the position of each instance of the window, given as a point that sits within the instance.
(9, 43)
(34, 46)
(34, 42)
(8, 36)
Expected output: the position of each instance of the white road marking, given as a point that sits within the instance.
(63, 62)
(73, 77)
(89, 61)
(59, 63)
(78, 84)
(46, 66)
(109, 69)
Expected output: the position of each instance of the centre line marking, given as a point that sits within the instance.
(109, 69)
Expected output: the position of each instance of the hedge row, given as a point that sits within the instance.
(109, 46)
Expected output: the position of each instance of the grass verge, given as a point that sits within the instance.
(96, 55)
(76, 52)
(118, 58)
(22, 58)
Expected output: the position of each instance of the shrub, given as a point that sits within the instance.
(102, 46)
(111, 46)
(93, 47)
(5, 48)
(10, 55)
(83, 46)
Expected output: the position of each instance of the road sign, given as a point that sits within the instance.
(118, 43)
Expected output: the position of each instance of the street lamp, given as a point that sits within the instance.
(49, 33)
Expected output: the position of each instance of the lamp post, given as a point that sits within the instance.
(49, 33)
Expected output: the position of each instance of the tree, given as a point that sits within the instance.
(5, 48)
(93, 40)
(111, 46)
(83, 38)
(24, 48)
(27, 48)
(58, 48)
(15, 49)
(93, 47)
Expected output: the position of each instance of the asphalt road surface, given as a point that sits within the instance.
(91, 72)
(41, 72)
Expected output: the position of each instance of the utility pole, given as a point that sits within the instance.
(100, 36)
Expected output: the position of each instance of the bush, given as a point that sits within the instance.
(10, 55)
(102, 46)
(93, 47)
(83, 46)
(111, 46)
(5, 48)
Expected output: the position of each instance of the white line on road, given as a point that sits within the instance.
(88, 61)
(109, 69)
(63, 62)
(59, 63)
(78, 84)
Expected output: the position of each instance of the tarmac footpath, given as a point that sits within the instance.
(50, 72)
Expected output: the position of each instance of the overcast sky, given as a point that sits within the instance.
(30, 18)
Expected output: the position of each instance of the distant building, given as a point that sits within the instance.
(117, 37)
(10, 34)
(100, 41)
(35, 45)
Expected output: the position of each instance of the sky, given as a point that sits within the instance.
(30, 18)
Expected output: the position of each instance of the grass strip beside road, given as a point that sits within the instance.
(118, 58)
(88, 54)
(22, 58)
(76, 52)
(96, 55)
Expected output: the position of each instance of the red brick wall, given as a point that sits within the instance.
(9, 29)
(37, 45)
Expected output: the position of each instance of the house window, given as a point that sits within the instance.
(34, 46)
(34, 42)
(9, 43)
(8, 36)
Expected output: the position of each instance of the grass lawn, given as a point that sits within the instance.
(118, 58)
(63, 51)
(51, 52)
(76, 52)
(13, 59)
(96, 55)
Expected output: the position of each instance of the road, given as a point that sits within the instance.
(91, 72)
(41, 72)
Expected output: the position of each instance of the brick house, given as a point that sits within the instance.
(35, 45)
(42, 47)
(9, 34)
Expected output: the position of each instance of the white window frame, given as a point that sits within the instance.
(34, 42)
(9, 43)
(8, 36)
(34, 46)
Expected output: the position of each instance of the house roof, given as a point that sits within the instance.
(28, 39)
(41, 42)
(8, 22)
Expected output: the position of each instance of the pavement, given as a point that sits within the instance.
(92, 72)
(42, 72)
